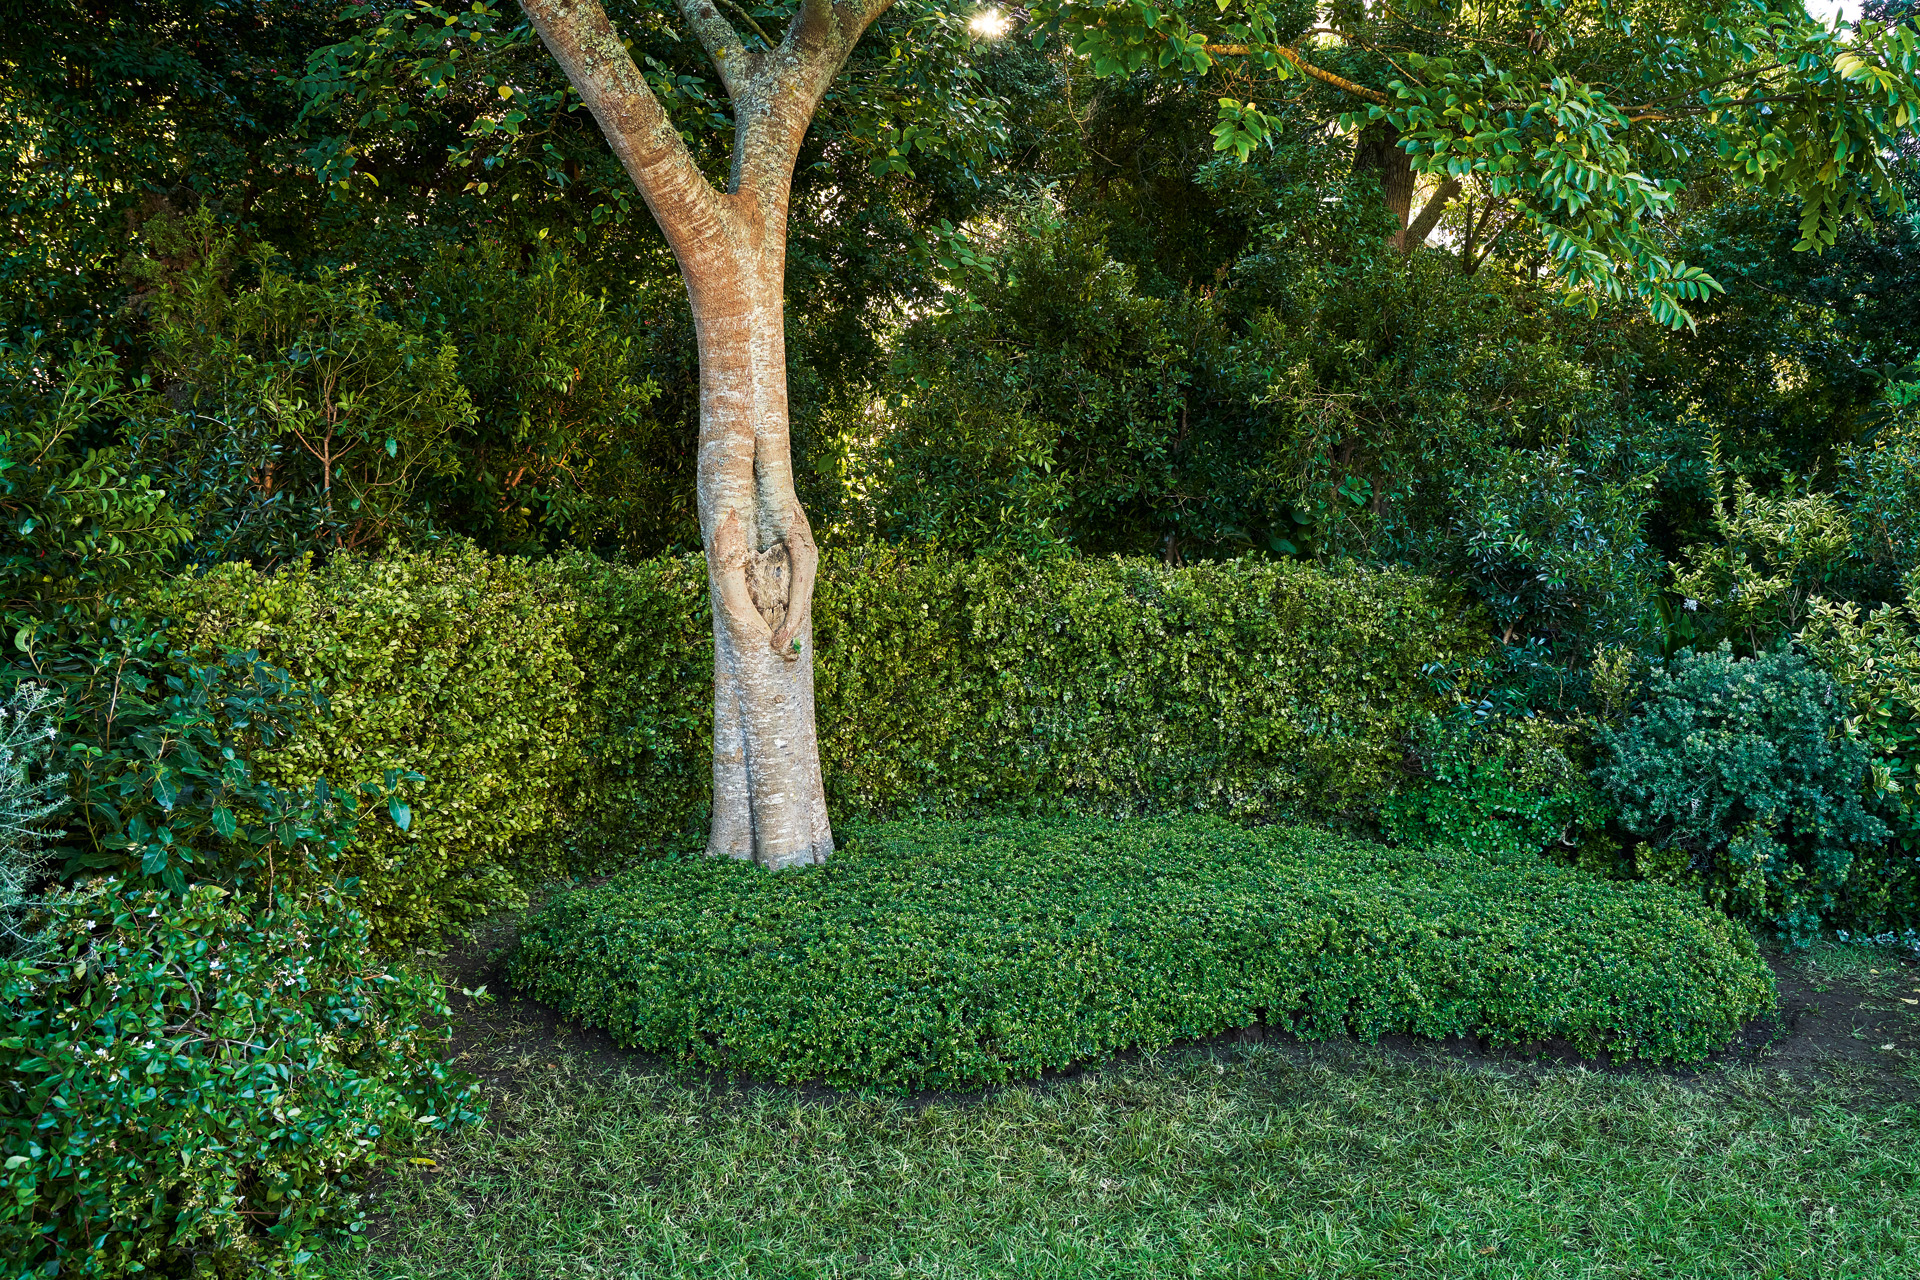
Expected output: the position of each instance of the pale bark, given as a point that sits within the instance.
(768, 801)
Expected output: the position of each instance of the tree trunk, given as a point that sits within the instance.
(768, 801)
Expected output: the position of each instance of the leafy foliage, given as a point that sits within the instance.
(563, 445)
(305, 416)
(1880, 488)
(161, 775)
(964, 954)
(1044, 409)
(1758, 580)
(186, 1080)
(80, 522)
(1875, 659)
(1496, 782)
(1554, 556)
(1740, 777)
(1546, 107)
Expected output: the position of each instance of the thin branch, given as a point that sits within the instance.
(747, 18)
(1416, 232)
(1306, 68)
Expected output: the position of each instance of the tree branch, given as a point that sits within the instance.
(651, 150)
(1306, 68)
(1415, 233)
(772, 116)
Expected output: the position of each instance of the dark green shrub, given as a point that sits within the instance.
(1741, 777)
(953, 955)
(80, 522)
(563, 445)
(300, 414)
(449, 665)
(158, 754)
(1494, 782)
(1558, 556)
(186, 1079)
(1879, 482)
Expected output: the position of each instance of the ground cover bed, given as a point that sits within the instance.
(956, 955)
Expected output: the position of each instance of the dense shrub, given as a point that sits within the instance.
(450, 665)
(1879, 482)
(959, 954)
(1558, 556)
(185, 1079)
(1875, 659)
(1495, 782)
(1741, 778)
(643, 636)
(80, 521)
(1771, 559)
(158, 754)
(299, 413)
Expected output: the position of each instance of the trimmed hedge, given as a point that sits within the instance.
(955, 955)
(954, 686)
(561, 711)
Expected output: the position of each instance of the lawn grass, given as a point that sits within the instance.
(1252, 1160)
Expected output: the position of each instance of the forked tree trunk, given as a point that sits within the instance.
(768, 802)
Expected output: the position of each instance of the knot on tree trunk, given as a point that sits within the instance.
(766, 594)
(769, 579)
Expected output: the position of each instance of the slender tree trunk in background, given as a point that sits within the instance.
(768, 802)
(1378, 152)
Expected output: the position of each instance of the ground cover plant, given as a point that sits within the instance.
(963, 954)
